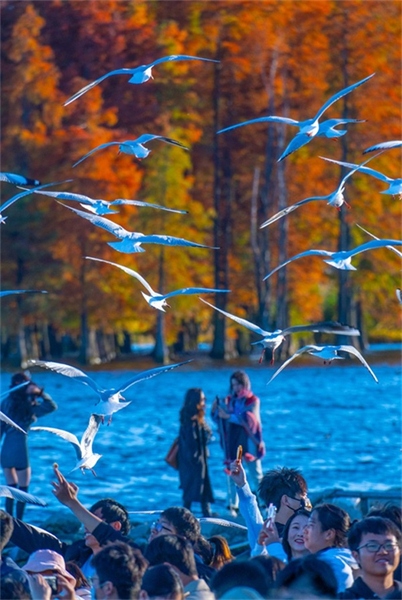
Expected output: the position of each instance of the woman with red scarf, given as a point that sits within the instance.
(238, 417)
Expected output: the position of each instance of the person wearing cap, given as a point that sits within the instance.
(24, 406)
(48, 563)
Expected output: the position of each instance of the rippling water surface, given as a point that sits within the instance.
(334, 422)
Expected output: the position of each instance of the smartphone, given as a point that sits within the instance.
(271, 513)
(52, 582)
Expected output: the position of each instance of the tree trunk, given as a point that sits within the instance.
(160, 352)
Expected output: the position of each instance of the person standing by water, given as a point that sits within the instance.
(239, 421)
(194, 436)
(23, 406)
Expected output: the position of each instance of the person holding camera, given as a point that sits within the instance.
(24, 406)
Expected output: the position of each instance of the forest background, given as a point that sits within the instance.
(282, 58)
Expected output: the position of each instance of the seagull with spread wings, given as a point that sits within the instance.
(273, 339)
(138, 75)
(328, 354)
(157, 300)
(98, 206)
(384, 146)
(135, 147)
(340, 260)
(83, 449)
(326, 128)
(395, 185)
(336, 199)
(131, 241)
(110, 399)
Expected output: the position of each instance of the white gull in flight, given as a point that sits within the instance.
(157, 300)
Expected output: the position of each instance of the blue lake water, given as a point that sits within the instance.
(334, 422)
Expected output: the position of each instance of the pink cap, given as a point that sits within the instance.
(43, 560)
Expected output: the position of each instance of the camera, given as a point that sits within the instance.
(52, 582)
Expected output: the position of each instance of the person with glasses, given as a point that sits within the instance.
(376, 545)
(325, 535)
(194, 436)
(119, 569)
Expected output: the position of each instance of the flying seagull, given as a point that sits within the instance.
(18, 179)
(103, 207)
(339, 260)
(310, 127)
(3, 416)
(83, 449)
(326, 128)
(9, 292)
(130, 241)
(395, 185)
(336, 199)
(11, 201)
(273, 339)
(157, 300)
(328, 354)
(16, 494)
(110, 400)
(384, 146)
(139, 74)
(134, 147)
(222, 522)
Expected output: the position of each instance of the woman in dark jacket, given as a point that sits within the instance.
(23, 406)
(192, 457)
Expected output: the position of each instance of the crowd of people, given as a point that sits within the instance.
(298, 551)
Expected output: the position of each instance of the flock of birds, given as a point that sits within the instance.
(112, 400)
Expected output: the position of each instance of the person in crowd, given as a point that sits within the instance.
(49, 563)
(307, 578)
(82, 585)
(239, 421)
(247, 573)
(24, 406)
(178, 520)
(376, 545)
(178, 553)
(10, 572)
(284, 488)
(394, 513)
(325, 535)
(293, 536)
(163, 583)
(271, 566)
(194, 436)
(221, 553)
(106, 521)
(119, 569)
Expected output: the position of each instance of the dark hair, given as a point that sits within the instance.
(75, 571)
(123, 566)
(285, 533)
(242, 378)
(221, 551)
(387, 511)
(271, 565)
(113, 511)
(280, 481)
(183, 520)
(204, 549)
(18, 405)
(172, 549)
(162, 580)
(376, 525)
(13, 589)
(190, 410)
(310, 575)
(334, 517)
(246, 573)
(6, 528)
